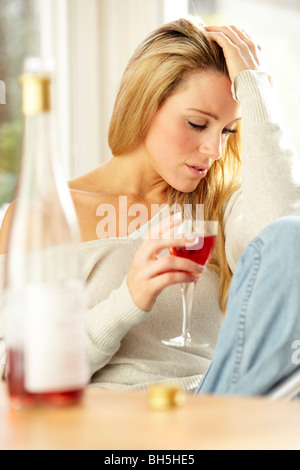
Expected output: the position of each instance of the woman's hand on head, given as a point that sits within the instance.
(240, 51)
(150, 274)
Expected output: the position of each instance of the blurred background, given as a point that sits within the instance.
(91, 42)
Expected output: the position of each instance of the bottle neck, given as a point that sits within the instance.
(37, 162)
(36, 96)
(44, 232)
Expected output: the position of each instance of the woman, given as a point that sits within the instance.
(174, 137)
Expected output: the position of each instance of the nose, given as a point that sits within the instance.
(212, 147)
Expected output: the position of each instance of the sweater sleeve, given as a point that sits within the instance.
(270, 166)
(107, 323)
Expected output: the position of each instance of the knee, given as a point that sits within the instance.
(281, 243)
(284, 232)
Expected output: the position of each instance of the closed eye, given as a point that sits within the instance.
(200, 128)
(197, 127)
(229, 131)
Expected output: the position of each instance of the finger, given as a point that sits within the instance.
(237, 36)
(150, 248)
(246, 38)
(247, 34)
(164, 280)
(172, 264)
(164, 226)
(229, 33)
(222, 40)
(251, 39)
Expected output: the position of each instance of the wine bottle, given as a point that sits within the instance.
(43, 287)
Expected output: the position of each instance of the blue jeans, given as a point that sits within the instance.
(255, 348)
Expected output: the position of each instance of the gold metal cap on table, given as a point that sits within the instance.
(164, 397)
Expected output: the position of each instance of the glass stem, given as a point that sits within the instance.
(187, 293)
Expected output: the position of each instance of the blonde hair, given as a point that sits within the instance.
(157, 68)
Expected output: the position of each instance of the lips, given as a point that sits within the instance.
(197, 171)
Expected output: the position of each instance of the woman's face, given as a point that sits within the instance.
(188, 132)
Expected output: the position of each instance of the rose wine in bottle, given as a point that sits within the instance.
(44, 292)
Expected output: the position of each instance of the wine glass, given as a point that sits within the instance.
(200, 252)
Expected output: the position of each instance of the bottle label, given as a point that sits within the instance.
(48, 327)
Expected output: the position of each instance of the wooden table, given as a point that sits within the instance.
(113, 420)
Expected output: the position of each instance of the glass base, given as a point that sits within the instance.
(185, 343)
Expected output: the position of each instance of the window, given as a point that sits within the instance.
(174, 9)
(18, 38)
(89, 68)
(272, 23)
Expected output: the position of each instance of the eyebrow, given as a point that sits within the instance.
(210, 114)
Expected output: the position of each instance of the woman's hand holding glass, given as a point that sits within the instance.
(150, 274)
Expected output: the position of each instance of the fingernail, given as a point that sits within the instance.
(201, 268)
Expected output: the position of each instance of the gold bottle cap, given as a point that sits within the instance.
(35, 94)
(164, 397)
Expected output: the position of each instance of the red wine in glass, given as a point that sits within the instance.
(201, 252)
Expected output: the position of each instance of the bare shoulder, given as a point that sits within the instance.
(5, 228)
(91, 182)
(88, 192)
(85, 182)
(91, 188)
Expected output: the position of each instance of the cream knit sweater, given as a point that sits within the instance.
(123, 342)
